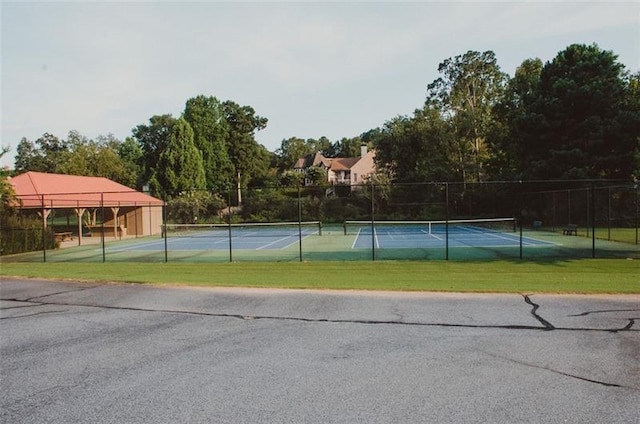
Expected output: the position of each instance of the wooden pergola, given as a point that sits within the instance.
(46, 192)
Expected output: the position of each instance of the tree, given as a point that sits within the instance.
(6, 191)
(180, 168)
(631, 119)
(470, 87)
(244, 152)
(47, 154)
(510, 115)
(582, 123)
(131, 155)
(28, 157)
(415, 149)
(153, 140)
(292, 149)
(206, 116)
(349, 147)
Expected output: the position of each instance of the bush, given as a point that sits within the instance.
(25, 236)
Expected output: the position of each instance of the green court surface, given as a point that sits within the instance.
(334, 245)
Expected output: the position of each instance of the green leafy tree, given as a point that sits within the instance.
(322, 145)
(631, 119)
(510, 115)
(582, 123)
(292, 149)
(349, 147)
(206, 116)
(180, 168)
(291, 179)
(28, 157)
(466, 93)
(131, 155)
(6, 191)
(47, 154)
(246, 155)
(415, 149)
(153, 140)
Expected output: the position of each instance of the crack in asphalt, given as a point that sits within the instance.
(547, 327)
(583, 314)
(632, 321)
(29, 299)
(566, 374)
(21, 306)
(34, 314)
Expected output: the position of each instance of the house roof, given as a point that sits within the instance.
(343, 164)
(59, 191)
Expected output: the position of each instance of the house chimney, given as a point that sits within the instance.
(363, 150)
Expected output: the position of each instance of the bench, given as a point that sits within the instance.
(570, 230)
(64, 236)
(537, 225)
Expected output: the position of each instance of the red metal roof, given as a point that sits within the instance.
(71, 191)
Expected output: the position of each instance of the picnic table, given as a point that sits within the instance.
(570, 230)
(64, 236)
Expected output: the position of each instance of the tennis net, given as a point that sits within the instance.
(248, 229)
(485, 225)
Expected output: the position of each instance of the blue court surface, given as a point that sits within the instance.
(425, 238)
(218, 239)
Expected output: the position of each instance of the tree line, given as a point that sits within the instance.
(574, 117)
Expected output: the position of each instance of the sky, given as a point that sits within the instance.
(335, 69)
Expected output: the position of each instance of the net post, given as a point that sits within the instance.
(320, 228)
(344, 227)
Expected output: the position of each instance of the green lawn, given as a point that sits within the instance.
(566, 276)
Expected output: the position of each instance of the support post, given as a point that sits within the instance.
(79, 213)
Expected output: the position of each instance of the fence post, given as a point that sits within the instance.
(593, 220)
(300, 220)
(229, 218)
(165, 233)
(44, 231)
(104, 250)
(446, 221)
(637, 210)
(373, 225)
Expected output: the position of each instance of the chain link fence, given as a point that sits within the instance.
(549, 220)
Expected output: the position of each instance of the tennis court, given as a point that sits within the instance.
(436, 234)
(250, 236)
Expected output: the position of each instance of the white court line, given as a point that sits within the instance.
(432, 235)
(294, 236)
(274, 242)
(375, 235)
(355, 240)
(505, 237)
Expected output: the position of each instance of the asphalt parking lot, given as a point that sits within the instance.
(112, 353)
